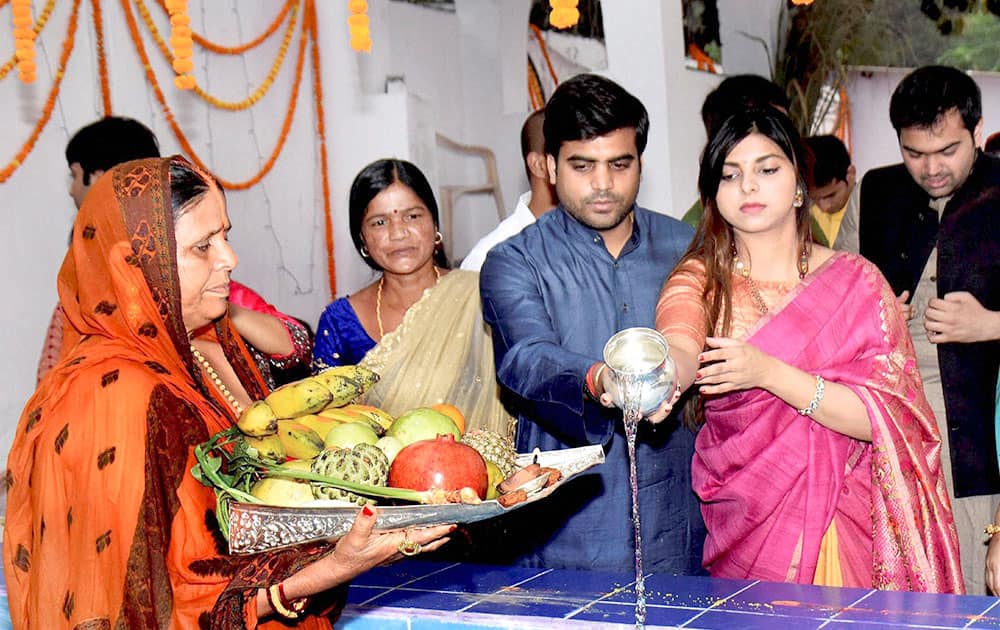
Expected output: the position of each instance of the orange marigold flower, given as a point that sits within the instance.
(183, 66)
(357, 6)
(358, 21)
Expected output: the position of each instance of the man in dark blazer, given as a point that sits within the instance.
(932, 226)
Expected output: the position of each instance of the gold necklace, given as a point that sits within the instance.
(217, 380)
(743, 270)
(378, 300)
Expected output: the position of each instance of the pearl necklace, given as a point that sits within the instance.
(378, 301)
(217, 380)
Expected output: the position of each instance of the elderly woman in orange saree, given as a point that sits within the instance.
(819, 459)
(105, 525)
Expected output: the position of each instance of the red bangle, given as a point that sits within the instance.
(298, 605)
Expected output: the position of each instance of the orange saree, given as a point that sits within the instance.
(105, 525)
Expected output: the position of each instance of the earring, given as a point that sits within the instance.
(364, 252)
(799, 198)
(438, 238)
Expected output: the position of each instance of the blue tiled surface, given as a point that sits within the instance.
(434, 596)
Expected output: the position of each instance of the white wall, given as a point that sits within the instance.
(463, 75)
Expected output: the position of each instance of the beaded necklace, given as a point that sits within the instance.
(743, 270)
(378, 300)
(217, 380)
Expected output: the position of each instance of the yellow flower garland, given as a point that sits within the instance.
(180, 42)
(40, 23)
(564, 13)
(359, 26)
(212, 100)
(24, 40)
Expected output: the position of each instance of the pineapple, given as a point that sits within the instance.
(495, 448)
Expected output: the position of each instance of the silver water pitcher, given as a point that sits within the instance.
(641, 373)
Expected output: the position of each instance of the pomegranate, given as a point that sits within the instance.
(439, 463)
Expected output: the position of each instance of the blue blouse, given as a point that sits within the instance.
(340, 337)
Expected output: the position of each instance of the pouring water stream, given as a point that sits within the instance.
(641, 377)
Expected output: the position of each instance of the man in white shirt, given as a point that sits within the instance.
(532, 204)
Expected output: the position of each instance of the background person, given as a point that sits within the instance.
(105, 524)
(420, 326)
(930, 225)
(818, 460)
(540, 198)
(832, 189)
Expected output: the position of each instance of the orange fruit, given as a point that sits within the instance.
(452, 412)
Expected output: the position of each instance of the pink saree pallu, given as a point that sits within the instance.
(773, 481)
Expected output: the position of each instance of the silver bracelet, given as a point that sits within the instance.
(817, 397)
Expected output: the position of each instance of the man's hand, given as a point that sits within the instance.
(903, 306)
(959, 318)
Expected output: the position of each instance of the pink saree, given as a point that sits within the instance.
(772, 482)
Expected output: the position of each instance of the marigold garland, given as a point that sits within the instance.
(331, 269)
(241, 48)
(24, 40)
(40, 23)
(102, 61)
(180, 42)
(564, 13)
(179, 133)
(257, 94)
(50, 102)
(359, 26)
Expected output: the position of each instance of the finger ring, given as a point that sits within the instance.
(409, 547)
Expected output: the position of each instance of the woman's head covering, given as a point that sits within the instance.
(101, 507)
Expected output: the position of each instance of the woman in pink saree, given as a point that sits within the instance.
(818, 461)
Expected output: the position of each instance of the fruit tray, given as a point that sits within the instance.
(254, 528)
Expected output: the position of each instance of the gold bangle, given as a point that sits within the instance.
(274, 597)
(991, 529)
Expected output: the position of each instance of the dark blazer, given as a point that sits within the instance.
(898, 230)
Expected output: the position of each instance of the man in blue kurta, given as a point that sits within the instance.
(554, 294)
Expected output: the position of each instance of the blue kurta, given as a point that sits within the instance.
(554, 295)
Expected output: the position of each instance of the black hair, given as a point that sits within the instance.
(375, 178)
(187, 186)
(532, 137)
(738, 93)
(588, 106)
(769, 122)
(112, 140)
(992, 145)
(930, 92)
(830, 159)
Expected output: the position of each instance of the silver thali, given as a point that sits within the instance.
(254, 527)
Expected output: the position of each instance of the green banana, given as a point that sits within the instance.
(258, 420)
(300, 441)
(268, 447)
(299, 398)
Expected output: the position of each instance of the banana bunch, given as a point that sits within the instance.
(296, 416)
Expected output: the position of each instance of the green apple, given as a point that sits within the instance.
(390, 446)
(422, 423)
(348, 434)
